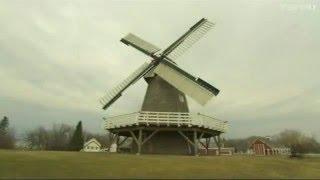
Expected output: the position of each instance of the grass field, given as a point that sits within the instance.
(14, 164)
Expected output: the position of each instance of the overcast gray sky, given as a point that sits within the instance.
(57, 58)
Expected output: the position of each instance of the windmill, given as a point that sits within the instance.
(164, 124)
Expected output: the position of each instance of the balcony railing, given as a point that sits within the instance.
(165, 118)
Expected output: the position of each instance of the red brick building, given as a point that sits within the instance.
(260, 147)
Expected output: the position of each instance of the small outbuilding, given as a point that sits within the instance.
(92, 145)
(261, 147)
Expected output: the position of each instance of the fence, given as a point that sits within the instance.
(166, 118)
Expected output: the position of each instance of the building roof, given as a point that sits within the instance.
(261, 141)
(268, 142)
(92, 140)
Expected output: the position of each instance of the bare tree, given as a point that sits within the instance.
(60, 136)
(56, 138)
(298, 142)
(38, 139)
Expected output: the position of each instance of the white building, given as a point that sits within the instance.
(92, 146)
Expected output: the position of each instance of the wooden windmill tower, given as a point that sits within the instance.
(164, 124)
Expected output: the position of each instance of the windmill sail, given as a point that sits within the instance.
(115, 93)
(140, 44)
(181, 45)
(197, 88)
(162, 65)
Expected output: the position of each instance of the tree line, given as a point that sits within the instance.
(60, 137)
(63, 137)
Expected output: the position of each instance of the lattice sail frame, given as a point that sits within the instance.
(115, 93)
(198, 89)
(192, 36)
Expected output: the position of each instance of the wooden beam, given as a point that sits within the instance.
(207, 142)
(186, 138)
(120, 143)
(134, 137)
(150, 136)
(203, 144)
(206, 146)
(181, 128)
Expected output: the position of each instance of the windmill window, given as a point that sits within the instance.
(181, 98)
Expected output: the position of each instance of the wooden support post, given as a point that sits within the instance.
(189, 148)
(139, 142)
(216, 140)
(207, 145)
(199, 139)
(201, 135)
(117, 138)
(195, 141)
(219, 147)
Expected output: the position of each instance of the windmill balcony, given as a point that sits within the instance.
(175, 119)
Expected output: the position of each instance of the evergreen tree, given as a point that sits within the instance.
(76, 143)
(4, 125)
(7, 140)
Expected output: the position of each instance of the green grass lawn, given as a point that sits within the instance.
(15, 164)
